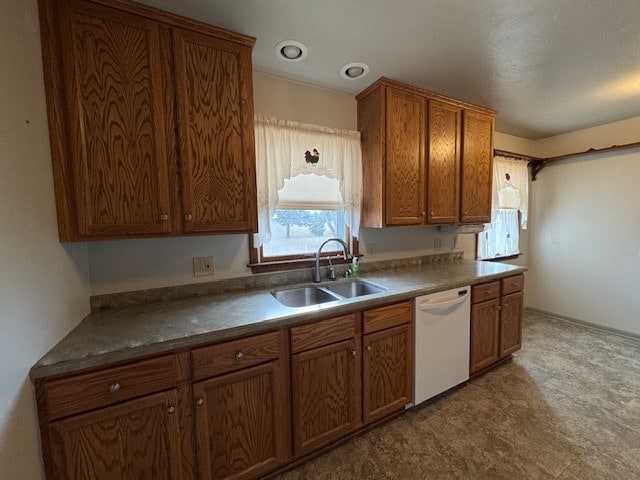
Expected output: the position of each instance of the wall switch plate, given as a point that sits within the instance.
(202, 266)
(437, 243)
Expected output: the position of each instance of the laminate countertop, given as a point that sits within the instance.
(141, 330)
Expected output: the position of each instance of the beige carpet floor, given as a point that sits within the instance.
(566, 407)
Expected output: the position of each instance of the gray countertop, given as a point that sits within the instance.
(141, 330)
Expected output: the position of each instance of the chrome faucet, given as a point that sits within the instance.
(345, 252)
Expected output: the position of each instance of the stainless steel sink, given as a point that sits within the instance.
(355, 288)
(304, 296)
(312, 295)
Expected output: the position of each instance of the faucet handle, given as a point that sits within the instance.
(332, 271)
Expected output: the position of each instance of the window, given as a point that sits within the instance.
(309, 211)
(309, 188)
(501, 237)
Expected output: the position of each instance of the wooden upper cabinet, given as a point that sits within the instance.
(424, 157)
(443, 162)
(404, 158)
(213, 78)
(150, 120)
(112, 67)
(477, 161)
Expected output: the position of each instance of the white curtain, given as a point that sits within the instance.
(511, 186)
(501, 237)
(280, 154)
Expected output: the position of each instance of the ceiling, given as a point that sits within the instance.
(546, 66)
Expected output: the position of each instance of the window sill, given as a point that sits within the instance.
(501, 259)
(282, 265)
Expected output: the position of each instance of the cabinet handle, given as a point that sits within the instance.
(115, 387)
(239, 356)
(164, 217)
(368, 347)
(188, 217)
(170, 410)
(200, 402)
(353, 353)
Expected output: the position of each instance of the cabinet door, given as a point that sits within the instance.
(443, 162)
(215, 109)
(484, 334)
(242, 423)
(326, 395)
(477, 161)
(388, 371)
(511, 323)
(136, 439)
(404, 176)
(116, 121)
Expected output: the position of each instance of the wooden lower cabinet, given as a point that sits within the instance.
(485, 320)
(387, 384)
(511, 312)
(241, 423)
(496, 321)
(325, 381)
(239, 409)
(135, 439)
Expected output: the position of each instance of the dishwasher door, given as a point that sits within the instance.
(442, 342)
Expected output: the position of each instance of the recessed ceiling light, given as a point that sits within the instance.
(291, 50)
(352, 71)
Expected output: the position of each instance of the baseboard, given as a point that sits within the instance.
(583, 323)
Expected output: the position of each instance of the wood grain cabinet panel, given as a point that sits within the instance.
(496, 321)
(213, 78)
(511, 313)
(477, 162)
(135, 439)
(241, 423)
(326, 395)
(426, 158)
(387, 371)
(405, 158)
(150, 120)
(112, 64)
(485, 321)
(443, 162)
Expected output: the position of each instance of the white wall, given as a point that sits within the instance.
(44, 286)
(585, 244)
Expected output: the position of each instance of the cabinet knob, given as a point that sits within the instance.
(164, 217)
(431, 214)
(200, 402)
(188, 217)
(464, 213)
(353, 353)
(498, 307)
(368, 347)
(423, 213)
(115, 387)
(170, 410)
(239, 355)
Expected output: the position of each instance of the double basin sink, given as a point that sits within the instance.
(314, 295)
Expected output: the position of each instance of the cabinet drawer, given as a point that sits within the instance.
(512, 284)
(324, 332)
(381, 318)
(486, 291)
(229, 356)
(87, 391)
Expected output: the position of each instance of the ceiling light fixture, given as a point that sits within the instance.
(291, 50)
(352, 71)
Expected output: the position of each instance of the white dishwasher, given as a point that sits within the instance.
(442, 342)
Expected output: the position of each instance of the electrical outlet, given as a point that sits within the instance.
(370, 249)
(202, 266)
(437, 243)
